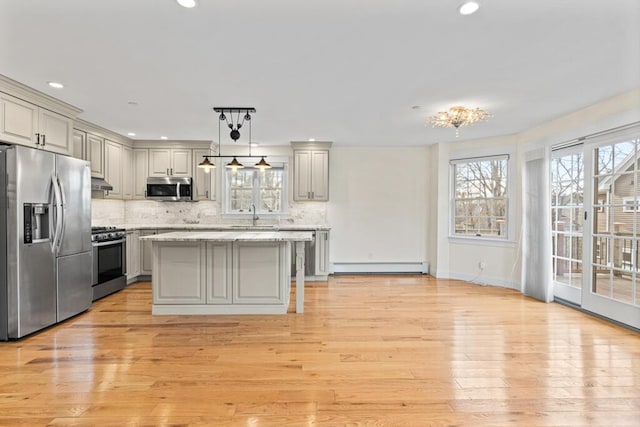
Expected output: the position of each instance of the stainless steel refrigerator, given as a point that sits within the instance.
(45, 239)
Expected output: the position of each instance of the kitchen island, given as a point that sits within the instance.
(226, 272)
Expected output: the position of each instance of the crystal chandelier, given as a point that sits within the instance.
(458, 116)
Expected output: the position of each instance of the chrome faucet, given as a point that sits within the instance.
(254, 217)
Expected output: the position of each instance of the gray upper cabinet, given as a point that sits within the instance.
(311, 171)
(27, 124)
(90, 147)
(170, 162)
(95, 154)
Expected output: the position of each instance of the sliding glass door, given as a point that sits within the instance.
(614, 205)
(595, 220)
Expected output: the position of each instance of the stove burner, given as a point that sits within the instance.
(105, 234)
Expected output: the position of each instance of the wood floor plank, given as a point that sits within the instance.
(368, 351)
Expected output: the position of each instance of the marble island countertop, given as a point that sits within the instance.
(226, 227)
(231, 236)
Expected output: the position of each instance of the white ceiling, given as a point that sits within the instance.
(347, 71)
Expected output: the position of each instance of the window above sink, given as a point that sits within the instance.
(266, 189)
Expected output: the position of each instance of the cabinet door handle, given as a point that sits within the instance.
(171, 171)
(206, 194)
(44, 139)
(167, 171)
(313, 194)
(37, 139)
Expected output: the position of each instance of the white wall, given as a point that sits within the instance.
(377, 207)
(455, 259)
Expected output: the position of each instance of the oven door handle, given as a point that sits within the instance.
(110, 242)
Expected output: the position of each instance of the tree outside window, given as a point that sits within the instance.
(480, 197)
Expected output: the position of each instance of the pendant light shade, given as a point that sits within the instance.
(235, 164)
(206, 165)
(262, 164)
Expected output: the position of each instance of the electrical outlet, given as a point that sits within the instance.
(482, 265)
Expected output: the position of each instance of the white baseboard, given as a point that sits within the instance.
(380, 267)
(479, 279)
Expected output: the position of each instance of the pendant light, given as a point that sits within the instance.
(234, 118)
(262, 164)
(206, 164)
(235, 164)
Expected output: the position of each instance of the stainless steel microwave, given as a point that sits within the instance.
(172, 188)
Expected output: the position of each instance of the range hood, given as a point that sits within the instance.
(99, 184)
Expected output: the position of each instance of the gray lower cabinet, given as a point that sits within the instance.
(181, 276)
(322, 253)
(260, 272)
(240, 275)
(146, 255)
(133, 254)
(316, 256)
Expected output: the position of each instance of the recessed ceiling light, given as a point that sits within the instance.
(131, 134)
(187, 3)
(311, 139)
(134, 103)
(468, 8)
(164, 137)
(55, 85)
(415, 107)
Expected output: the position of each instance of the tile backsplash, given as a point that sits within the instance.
(112, 212)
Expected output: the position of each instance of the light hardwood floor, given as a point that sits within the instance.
(368, 351)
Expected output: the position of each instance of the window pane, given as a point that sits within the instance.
(271, 186)
(480, 202)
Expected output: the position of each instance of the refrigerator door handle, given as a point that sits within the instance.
(58, 206)
(63, 203)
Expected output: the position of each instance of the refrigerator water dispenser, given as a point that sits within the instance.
(36, 223)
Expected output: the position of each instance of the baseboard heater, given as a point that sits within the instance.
(380, 268)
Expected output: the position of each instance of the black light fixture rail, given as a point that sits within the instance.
(235, 124)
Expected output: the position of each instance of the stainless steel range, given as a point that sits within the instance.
(109, 260)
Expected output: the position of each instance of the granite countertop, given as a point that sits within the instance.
(226, 227)
(231, 236)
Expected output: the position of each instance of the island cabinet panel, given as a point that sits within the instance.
(219, 277)
(259, 271)
(179, 273)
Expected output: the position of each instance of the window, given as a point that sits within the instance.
(264, 189)
(479, 197)
(630, 204)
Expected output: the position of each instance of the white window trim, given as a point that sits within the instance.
(494, 154)
(227, 213)
(628, 207)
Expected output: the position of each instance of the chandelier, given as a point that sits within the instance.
(457, 117)
(234, 118)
